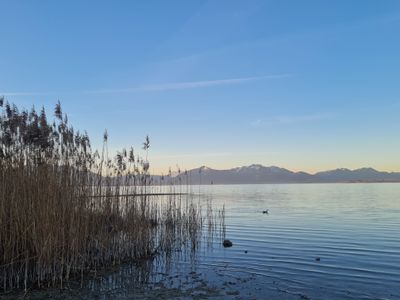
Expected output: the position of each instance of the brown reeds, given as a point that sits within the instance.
(66, 210)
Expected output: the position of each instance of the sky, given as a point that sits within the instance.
(306, 85)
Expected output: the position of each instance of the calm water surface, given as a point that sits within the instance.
(353, 228)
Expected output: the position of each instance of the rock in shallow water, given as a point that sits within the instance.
(227, 243)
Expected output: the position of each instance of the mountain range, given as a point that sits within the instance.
(258, 174)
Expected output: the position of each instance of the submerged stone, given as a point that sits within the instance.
(227, 243)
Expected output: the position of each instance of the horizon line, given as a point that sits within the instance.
(273, 166)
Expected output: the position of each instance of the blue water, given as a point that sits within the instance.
(353, 228)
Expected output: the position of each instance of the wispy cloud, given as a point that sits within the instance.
(160, 87)
(284, 120)
(189, 84)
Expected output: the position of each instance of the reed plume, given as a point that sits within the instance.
(66, 210)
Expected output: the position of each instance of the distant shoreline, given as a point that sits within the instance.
(271, 183)
(259, 174)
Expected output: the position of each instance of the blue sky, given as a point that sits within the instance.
(306, 85)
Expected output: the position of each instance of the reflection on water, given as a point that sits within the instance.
(319, 241)
(353, 229)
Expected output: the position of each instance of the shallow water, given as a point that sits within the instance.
(354, 230)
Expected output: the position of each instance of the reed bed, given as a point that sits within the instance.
(66, 210)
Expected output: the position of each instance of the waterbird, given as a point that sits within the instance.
(265, 211)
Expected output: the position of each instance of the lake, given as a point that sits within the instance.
(318, 241)
(353, 228)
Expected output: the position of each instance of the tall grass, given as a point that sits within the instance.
(66, 210)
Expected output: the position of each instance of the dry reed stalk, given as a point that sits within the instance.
(63, 211)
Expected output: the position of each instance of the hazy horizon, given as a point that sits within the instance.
(307, 86)
(280, 167)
